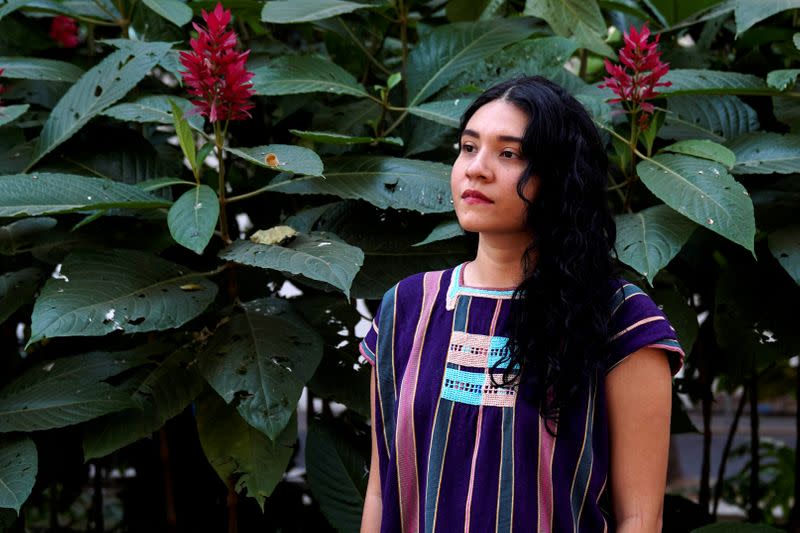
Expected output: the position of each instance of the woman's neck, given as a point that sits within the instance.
(498, 262)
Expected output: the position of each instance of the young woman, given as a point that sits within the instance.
(528, 390)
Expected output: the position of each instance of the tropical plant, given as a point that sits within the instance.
(192, 218)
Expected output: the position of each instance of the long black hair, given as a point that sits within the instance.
(560, 310)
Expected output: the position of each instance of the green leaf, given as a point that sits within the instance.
(294, 159)
(11, 113)
(700, 81)
(185, 137)
(159, 183)
(796, 40)
(163, 393)
(19, 464)
(704, 149)
(155, 108)
(382, 181)
(17, 289)
(446, 230)
(174, 11)
(305, 74)
(193, 217)
(43, 193)
(293, 11)
(702, 191)
(337, 476)
(448, 50)
(681, 315)
(104, 84)
(34, 68)
(319, 256)
(749, 13)
(236, 449)
(783, 79)
(784, 244)
(715, 117)
(101, 291)
(447, 112)
(69, 390)
(648, 240)
(260, 360)
(579, 19)
(766, 153)
(20, 235)
(328, 137)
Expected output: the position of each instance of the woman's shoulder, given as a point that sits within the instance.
(415, 285)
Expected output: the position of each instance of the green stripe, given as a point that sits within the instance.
(505, 501)
(584, 470)
(462, 311)
(385, 357)
(441, 432)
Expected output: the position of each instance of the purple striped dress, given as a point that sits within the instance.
(460, 454)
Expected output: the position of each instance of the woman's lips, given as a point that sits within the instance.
(471, 196)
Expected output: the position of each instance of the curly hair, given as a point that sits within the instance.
(560, 310)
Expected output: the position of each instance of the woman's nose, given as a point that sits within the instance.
(478, 166)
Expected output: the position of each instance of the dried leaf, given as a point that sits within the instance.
(276, 235)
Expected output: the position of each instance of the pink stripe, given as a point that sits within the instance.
(472, 470)
(546, 448)
(405, 435)
(636, 325)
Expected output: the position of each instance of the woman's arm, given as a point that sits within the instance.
(371, 517)
(639, 393)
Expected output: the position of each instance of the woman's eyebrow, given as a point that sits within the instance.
(505, 138)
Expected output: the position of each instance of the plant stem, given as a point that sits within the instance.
(233, 500)
(403, 12)
(753, 512)
(584, 55)
(363, 48)
(727, 450)
(219, 139)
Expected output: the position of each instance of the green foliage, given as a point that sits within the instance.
(159, 316)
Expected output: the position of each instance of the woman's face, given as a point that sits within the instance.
(489, 165)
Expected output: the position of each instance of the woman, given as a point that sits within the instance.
(528, 389)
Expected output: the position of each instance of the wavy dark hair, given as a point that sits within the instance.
(560, 310)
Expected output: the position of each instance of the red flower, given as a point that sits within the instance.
(215, 72)
(64, 31)
(636, 79)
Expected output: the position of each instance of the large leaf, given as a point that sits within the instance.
(67, 391)
(305, 74)
(580, 19)
(450, 49)
(382, 181)
(749, 13)
(43, 193)
(19, 464)
(446, 230)
(704, 192)
(447, 112)
(699, 81)
(715, 117)
(236, 449)
(783, 79)
(681, 315)
(260, 360)
(34, 68)
(154, 108)
(785, 246)
(292, 11)
(319, 256)
(329, 137)
(162, 394)
(173, 10)
(290, 158)
(648, 240)
(766, 153)
(102, 291)
(11, 113)
(336, 475)
(17, 289)
(104, 84)
(704, 149)
(193, 217)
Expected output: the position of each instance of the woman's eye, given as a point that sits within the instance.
(508, 154)
(467, 148)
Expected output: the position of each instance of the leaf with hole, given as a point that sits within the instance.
(648, 240)
(702, 191)
(286, 158)
(101, 291)
(260, 360)
(97, 89)
(19, 464)
(318, 256)
(193, 217)
(305, 74)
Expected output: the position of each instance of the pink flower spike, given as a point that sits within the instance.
(215, 73)
(64, 31)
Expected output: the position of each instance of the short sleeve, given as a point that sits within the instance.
(637, 322)
(369, 344)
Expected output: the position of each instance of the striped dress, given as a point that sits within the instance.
(457, 453)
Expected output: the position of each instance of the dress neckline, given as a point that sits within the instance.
(458, 288)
